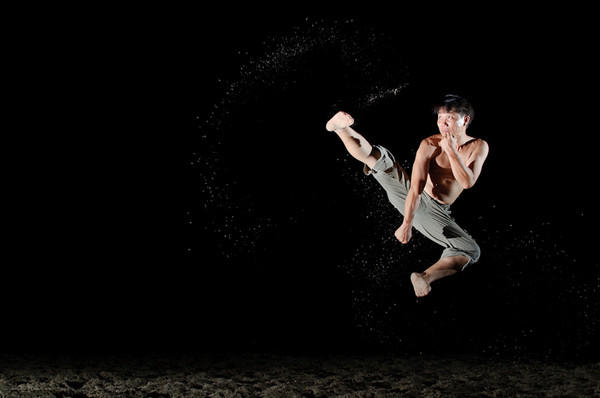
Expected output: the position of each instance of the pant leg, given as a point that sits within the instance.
(433, 220)
(391, 177)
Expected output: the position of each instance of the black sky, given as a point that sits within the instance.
(216, 213)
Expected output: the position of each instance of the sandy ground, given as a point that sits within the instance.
(262, 375)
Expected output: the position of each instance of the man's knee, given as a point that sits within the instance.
(471, 251)
(475, 252)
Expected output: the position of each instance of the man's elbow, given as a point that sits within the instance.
(468, 183)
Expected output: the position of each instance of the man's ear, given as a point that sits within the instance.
(466, 120)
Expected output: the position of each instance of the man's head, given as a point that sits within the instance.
(454, 114)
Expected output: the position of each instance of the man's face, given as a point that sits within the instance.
(450, 122)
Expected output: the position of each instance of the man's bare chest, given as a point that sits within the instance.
(440, 165)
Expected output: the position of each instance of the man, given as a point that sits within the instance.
(445, 165)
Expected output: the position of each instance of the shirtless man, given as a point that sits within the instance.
(445, 165)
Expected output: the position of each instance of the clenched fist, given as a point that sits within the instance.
(404, 233)
(448, 143)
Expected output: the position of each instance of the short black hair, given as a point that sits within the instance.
(455, 103)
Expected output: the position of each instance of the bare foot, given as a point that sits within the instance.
(422, 287)
(339, 121)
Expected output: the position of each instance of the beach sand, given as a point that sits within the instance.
(272, 375)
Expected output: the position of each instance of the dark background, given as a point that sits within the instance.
(204, 207)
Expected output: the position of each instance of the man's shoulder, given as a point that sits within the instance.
(477, 147)
(430, 146)
(479, 144)
(432, 140)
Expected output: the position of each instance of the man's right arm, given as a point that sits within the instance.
(418, 180)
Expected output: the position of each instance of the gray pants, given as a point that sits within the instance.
(432, 218)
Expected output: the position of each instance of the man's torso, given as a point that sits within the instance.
(441, 183)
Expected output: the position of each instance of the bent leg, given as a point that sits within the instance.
(355, 144)
(446, 266)
(434, 221)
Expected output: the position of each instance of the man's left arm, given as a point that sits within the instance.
(466, 173)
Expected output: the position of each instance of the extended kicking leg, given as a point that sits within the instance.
(355, 143)
(446, 266)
